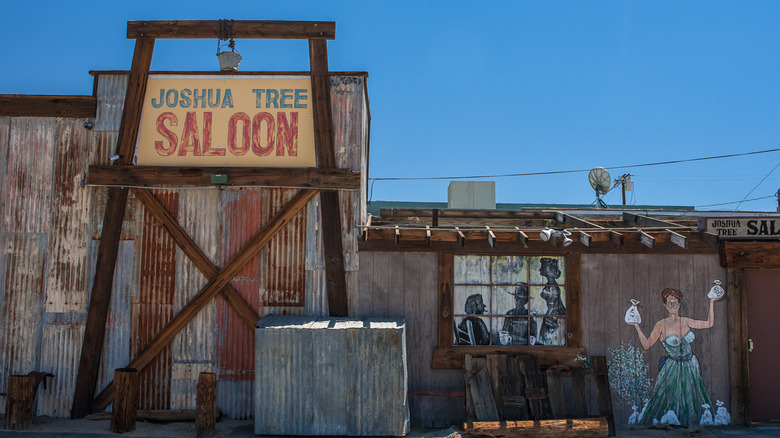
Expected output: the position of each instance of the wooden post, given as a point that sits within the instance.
(126, 383)
(19, 402)
(599, 366)
(100, 297)
(333, 247)
(206, 405)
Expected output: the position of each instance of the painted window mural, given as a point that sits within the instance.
(509, 300)
(678, 396)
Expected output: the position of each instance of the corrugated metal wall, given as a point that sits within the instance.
(51, 226)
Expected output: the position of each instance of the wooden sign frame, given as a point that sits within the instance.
(324, 179)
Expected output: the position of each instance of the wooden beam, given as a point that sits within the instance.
(522, 237)
(755, 255)
(446, 321)
(367, 227)
(451, 357)
(585, 238)
(491, 236)
(710, 237)
(461, 237)
(301, 30)
(204, 296)
(678, 239)
(27, 105)
(647, 221)
(333, 248)
(100, 297)
(198, 258)
(575, 221)
(615, 237)
(646, 239)
(165, 176)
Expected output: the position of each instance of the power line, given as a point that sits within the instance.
(557, 172)
(759, 183)
(735, 202)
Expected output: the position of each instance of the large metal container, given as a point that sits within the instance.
(331, 376)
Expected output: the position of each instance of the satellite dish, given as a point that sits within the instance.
(599, 179)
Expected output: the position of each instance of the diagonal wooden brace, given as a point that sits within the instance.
(196, 255)
(206, 294)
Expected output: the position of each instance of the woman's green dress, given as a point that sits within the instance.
(679, 387)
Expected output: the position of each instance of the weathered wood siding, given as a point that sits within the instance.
(404, 284)
(609, 281)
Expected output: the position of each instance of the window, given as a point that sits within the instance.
(509, 300)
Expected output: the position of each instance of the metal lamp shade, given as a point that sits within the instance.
(229, 61)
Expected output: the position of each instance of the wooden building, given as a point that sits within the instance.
(424, 263)
(83, 227)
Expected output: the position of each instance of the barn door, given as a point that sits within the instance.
(763, 297)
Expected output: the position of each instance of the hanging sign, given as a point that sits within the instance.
(227, 121)
(760, 227)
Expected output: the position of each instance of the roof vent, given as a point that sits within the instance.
(472, 195)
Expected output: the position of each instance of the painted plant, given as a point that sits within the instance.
(679, 395)
(628, 377)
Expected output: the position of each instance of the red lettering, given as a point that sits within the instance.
(288, 134)
(207, 150)
(234, 119)
(165, 132)
(257, 125)
(189, 138)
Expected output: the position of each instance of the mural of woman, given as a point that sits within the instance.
(679, 387)
(551, 293)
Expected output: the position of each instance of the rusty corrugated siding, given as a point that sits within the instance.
(111, 92)
(153, 307)
(194, 347)
(284, 287)
(22, 269)
(242, 214)
(60, 353)
(27, 177)
(51, 226)
(117, 340)
(66, 274)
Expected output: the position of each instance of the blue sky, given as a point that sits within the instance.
(489, 88)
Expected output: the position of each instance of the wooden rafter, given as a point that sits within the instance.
(648, 221)
(575, 221)
(204, 296)
(165, 176)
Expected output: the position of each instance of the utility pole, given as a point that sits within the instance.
(627, 184)
(778, 199)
